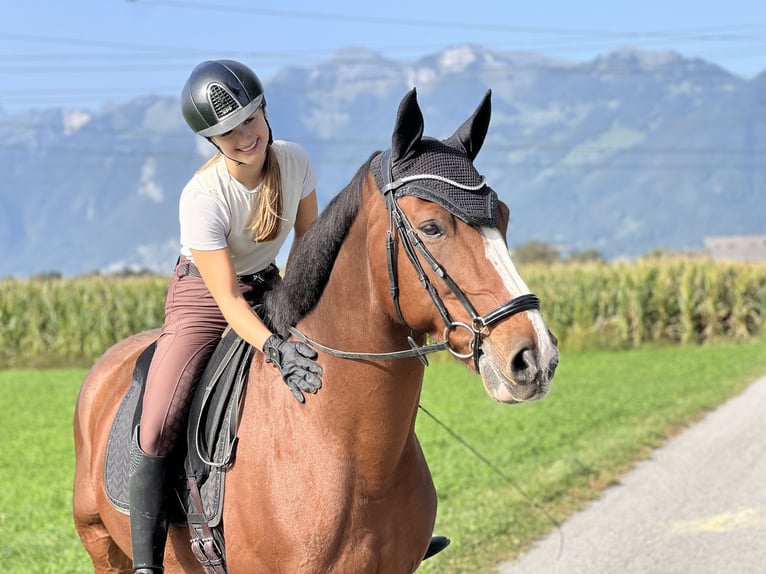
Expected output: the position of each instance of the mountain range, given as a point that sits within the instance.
(626, 153)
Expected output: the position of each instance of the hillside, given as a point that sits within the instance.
(629, 152)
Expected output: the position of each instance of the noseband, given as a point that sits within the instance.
(399, 227)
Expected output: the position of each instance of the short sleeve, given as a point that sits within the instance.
(204, 222)
(304, 165)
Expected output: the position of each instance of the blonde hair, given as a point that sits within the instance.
(265, 220)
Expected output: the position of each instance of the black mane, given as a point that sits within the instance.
(313, 259)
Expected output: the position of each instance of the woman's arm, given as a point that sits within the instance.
(295, 361)
(217, 271)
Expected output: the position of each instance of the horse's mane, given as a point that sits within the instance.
(313, 258)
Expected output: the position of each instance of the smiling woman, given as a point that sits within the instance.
(235, 214)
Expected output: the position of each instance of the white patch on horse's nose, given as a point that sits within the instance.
(497, 254)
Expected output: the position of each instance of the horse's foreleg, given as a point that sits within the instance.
(107, 557)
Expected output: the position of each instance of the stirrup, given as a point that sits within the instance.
(437, 544)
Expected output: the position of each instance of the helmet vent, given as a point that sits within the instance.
(222, 101)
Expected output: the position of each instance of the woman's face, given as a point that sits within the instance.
(247, 142)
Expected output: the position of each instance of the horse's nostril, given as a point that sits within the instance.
(519, 362)
(524, 365)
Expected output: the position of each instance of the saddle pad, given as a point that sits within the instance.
(117, 462)
(212, 424)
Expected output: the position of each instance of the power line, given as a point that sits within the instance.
(551, 67)
(746, 32)
(64, 41)
(706, 158)
(728, 33)
(496, 146)
(139, 58)
(335, 17)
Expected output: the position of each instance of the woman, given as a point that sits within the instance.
(235, 214)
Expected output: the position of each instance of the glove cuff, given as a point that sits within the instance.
(271, 349)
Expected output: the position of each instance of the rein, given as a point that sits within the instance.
(415, 350)
(400, 228)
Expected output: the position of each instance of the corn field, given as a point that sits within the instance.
(61, 322)
(70, 322)
(651, 301)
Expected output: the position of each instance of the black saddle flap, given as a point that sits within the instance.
(214, 412)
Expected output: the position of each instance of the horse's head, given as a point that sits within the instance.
(449, 270)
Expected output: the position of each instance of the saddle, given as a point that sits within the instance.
(196, 469)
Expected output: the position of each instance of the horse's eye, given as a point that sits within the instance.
(431, 229)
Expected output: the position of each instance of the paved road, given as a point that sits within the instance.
(698, 506)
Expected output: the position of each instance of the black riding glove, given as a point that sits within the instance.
(295, 361)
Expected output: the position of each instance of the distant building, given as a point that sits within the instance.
(737, 247)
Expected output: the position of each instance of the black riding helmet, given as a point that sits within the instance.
(219, 95)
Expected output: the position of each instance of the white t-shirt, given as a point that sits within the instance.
(214, 209)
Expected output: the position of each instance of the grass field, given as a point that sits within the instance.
(606, 410)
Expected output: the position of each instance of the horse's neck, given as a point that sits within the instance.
(374, 398)
(372, 403)
(354, 314)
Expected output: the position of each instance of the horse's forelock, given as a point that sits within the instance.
(313, 258)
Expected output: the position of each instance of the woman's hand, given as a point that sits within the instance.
(296, 363)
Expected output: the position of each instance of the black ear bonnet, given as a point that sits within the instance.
(440, 171)
(473, 200)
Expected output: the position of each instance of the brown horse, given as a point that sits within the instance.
(412, 248)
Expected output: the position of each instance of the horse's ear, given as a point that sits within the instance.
(503, 217)
(473, 131)
(408, 129)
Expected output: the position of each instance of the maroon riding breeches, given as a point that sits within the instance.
(191, 330)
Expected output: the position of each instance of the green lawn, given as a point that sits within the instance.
(37, 447)
(606, 410)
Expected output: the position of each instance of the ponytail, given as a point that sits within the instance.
(265, 219)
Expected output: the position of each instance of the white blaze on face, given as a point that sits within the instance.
(497, 254)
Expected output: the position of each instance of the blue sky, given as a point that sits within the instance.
(91, 52)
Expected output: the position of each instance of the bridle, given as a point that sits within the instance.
(400, 229)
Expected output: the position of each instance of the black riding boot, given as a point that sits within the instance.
(437, 544)
(148, 522)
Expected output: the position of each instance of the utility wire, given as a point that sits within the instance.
(703, 152)
(173, 58)
(729, 33)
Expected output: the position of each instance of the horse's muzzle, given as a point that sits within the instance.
(524, 379)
